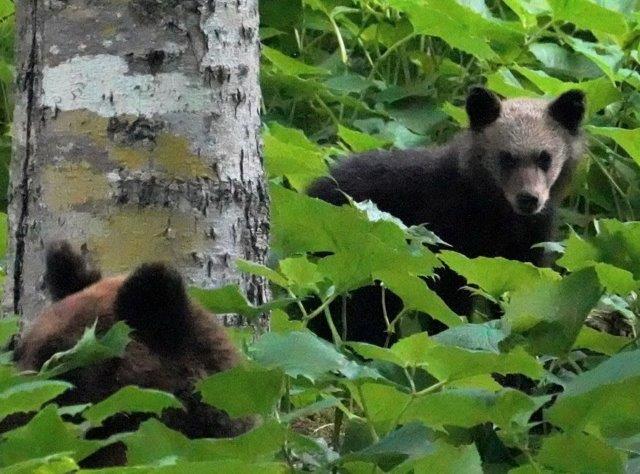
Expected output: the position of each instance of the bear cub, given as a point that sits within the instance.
(491, 191)
(174, 343)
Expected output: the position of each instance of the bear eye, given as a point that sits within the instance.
(544, 160)
(507, 160)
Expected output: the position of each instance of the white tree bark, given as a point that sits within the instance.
(137, 138)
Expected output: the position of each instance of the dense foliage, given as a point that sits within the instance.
(351, 75)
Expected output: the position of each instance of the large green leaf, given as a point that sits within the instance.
(551, 313)
(458, 25)
(410, 441)
(579, 452)
(55, 464)
(290, 65)
(288, 155)
(154, 442)
(8, 327)
(359, 141)
(627, 139)
(467, 408)
(243, 390)
(45, 435)
(90, 349)
(602, 401)
(497, 276)
(446, 459)
(131, 399)
(614, 253)
(304, 354)
(25, 395)
(599, 341)
(589, 15)
(451, 362)
(229, 299)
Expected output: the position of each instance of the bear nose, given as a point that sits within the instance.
(527, 202)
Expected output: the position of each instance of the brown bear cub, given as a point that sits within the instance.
(491, 191)
(174, 343)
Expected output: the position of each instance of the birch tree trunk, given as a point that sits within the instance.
(137, 138)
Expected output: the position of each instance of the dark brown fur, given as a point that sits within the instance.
(465, 194)
(190, 345)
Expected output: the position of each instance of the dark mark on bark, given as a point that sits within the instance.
(121, 131)
(156, 60)
(219, 74)
(21, 227)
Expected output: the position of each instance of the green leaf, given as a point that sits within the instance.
(505, 83)
(579, 452)
(607, 57)
(467, 408)
(90, 349)
(484, 337)
(419, 116)
(288, 65)
(45, 435)
(557, 59)
(359, 141)
(551, 313)
(280, 322)
(410, 441)
(497, 276)
(417, 296)
(602, 401)
(627, 139)
(449, 362)
(589, 15)
(304, 354)
(385, 404)
(263, 271)
(527, 11)
(228, 466)
(299, 164)
(243, 390)
(55, 464)
(458, 26)
(8, 327)
(154, 442)
(349, 83)
(229, 299)
(614, 253)
(28, 395)
(357, 256)
(131, 399)
(456, 113)
(447, 459)
(600, 92)
(302, 275)
(599, 341)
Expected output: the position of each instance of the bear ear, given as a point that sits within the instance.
(483, 108)
(66, 271)
(568, 109)
(153, 301)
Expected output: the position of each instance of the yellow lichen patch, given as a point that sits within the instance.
(73, 184)
(152, 234)
(82, 122)
(110, 30)
(133, 158)
(173, 155)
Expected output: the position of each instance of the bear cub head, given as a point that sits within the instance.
(528, 147)
(174, 342)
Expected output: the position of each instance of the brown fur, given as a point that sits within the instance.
(206, 350)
